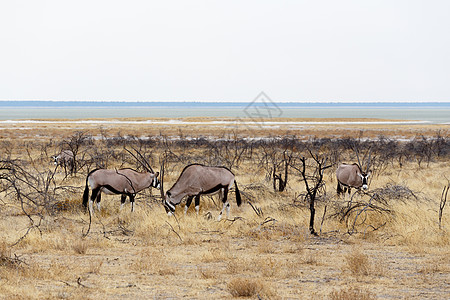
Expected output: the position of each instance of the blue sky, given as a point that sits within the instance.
(314, 51)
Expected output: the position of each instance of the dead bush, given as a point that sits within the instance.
(244, 287)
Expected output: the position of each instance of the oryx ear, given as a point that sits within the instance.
(368, 173)
(156, 174)
(168, 194)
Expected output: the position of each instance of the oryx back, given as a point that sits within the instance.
(126, 182)
(348, 175)
(196, 180)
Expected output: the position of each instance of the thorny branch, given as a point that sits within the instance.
(442, 203)
(174, 231)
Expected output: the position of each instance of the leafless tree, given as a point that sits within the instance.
(314, 183)
(279, 183)
(33, 188)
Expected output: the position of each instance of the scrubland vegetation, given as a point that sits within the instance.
(389, 242)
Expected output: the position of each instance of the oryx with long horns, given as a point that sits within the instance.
(65, 159)
(196, 180)
(126, 182)
(352, 176)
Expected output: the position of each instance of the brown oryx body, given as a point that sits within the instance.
(126, 182)
(351, 176)
(196, 180)
(65, 159)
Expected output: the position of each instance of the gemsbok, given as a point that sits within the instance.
(352, 176)
(196, 180)
(65, 159)
(126, 182)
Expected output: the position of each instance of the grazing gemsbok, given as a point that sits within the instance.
(65, 159)
(126, 182)
(196, 180)
(352, 176)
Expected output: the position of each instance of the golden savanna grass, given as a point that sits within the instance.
(146, 254)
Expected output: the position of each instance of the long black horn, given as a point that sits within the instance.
(161, 176)
(145, 160)
(142, 160)
(368, 161)
(357, 156)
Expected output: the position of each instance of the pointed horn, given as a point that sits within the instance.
(142, 161)
(357, 156)
(145, 161)
(131, 153)
(368, 161)
(161, 176)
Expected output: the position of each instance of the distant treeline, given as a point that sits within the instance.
(181, 104)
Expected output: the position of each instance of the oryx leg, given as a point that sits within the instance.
(339, 189)
(123, 197)
(95, 192)
(131, 196)
(99, 198)
(226, 205)
(197, 203)
(188, 203)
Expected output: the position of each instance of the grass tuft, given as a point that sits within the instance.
(352, 294)
(244, 287)
(80, 247)
(358, 263)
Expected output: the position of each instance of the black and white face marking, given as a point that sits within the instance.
(364, 177)
(156, 183)
(170, 208)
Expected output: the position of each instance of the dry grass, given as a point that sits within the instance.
(145, 254)
(80, 247)
(247, 287)
(352, 294)
(358, 263)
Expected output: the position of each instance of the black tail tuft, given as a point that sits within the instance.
(238, 194)
(86, 193)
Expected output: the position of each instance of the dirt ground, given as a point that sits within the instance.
(147, 255)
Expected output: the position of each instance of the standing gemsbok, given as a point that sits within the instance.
(352, 176)
(126, 182)
(65, 159)
(196, 180)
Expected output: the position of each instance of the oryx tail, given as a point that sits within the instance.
(238, 194)
(86, 190)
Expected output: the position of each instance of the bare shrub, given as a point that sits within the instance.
(369, 210)
(314, 183)
(7, 259)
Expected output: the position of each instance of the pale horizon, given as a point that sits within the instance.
(215, 51)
